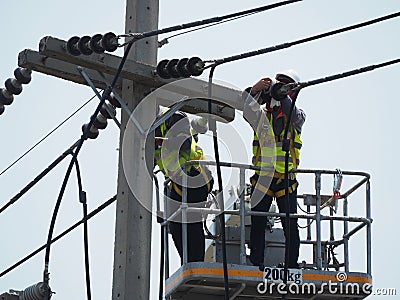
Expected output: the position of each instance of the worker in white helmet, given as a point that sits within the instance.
(268, 113)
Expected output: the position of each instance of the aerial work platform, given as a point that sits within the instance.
(324, 272)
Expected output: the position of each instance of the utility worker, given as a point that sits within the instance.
(269, 117)
(175, 145)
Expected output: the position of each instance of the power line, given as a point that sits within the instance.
(347, 74)
(301, 41)
(89, 216)
(46, 136)
(39, 177)
(137, 36)
(83, 200)
(165, 40)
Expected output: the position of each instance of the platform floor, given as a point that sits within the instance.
(201, 280)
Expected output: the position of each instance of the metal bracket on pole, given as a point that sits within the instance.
(128, 111)
(118, 97)
(90, 83)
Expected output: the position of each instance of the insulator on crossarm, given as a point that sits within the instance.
(195, 66)
(34, 292)
(87, 45)
(6, 98)
(23, 75)
(92, 133)
(161, 69)
(95, 43)
(181, 67)
(84, 45)
(13, 86)
(109, 42)
(171, 68)
(72, 46)
(176, 68)
(106, 108)
(113, 100)
(100, 122)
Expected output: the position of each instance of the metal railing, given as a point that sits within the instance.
(317, 217)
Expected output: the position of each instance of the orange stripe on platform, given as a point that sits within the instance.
(332, 278)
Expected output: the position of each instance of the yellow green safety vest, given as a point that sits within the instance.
(168, 163)
(269, 156)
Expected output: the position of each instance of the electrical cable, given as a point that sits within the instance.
(210, 235)
(163, 228)
(138, 36)
(47, 135)
(301, 85)
(306, 226)
(286, 148)
(165, 40)
(161, 290)
(213, 128)
(61, 235)
(306, 212)
(39, 177)
(83, 200)
(301, 41)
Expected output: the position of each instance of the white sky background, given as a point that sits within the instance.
(351, 123)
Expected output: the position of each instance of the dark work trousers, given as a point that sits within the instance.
(195, 233)
(258, 223)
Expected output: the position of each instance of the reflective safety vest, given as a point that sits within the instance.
(171, 161)
(267, 148)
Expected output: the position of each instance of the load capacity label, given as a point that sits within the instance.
(277, 275)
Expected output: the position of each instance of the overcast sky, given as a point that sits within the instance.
(351, 123)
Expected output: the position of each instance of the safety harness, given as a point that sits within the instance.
(195, 153)
(274, 170)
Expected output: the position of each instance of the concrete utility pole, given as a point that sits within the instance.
(131, 278)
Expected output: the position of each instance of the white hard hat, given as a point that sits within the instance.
(288, 74)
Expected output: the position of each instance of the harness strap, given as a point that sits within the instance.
(277, 194)
(179, 191)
